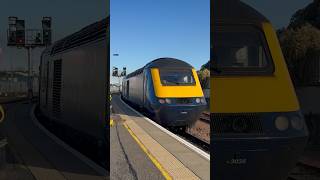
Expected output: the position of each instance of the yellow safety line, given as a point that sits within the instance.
(152, 158)
(1, 112)
(111, 122)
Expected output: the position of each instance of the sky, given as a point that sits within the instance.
(279, 12)
(144, 30)
(68, 16)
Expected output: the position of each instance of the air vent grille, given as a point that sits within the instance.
(56, 88)
(237, 123)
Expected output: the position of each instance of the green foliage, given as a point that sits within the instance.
(309, 14)
(301, 39)
(204, 78)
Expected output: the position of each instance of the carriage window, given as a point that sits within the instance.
(174, 77)
(241, 50)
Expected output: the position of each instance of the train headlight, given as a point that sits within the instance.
(168, 101)
(162, 101)
(198, 100)
(282, 123)
(297, 122)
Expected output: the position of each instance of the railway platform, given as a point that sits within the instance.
(148, 147)
(33, 153)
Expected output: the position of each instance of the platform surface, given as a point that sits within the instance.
(41, 156)
(175, 158)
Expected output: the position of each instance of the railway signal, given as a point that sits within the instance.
(20, 32)
(19, 36)
(124, 71)
(116, 73)
(46, 30)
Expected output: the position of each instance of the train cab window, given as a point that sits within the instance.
(242, 50)
(174, 77)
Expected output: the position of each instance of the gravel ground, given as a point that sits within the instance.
(201, 130)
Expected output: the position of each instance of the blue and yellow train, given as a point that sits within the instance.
(258, 131)
(168, 90)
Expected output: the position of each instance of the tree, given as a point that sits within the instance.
(204, 78)
(310, 14)
(297, 45)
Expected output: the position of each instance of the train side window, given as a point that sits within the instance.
(242, 50)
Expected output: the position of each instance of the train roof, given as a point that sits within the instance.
(235, 11)
(95, 31)
(160, 63)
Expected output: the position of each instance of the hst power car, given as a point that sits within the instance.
(168, 89)
(258, 131)
(73, 83)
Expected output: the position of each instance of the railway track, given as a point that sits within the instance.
(199, 142)
(205, 117)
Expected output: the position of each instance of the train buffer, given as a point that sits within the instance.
(141, 149)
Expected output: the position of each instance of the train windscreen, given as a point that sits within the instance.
(176, 77)
(241, 49)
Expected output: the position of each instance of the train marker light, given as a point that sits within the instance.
(297, 123)
(203, 100)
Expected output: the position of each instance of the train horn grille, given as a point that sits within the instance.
(239, 123)
(183, 101)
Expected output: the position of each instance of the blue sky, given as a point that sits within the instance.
(148, 29)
